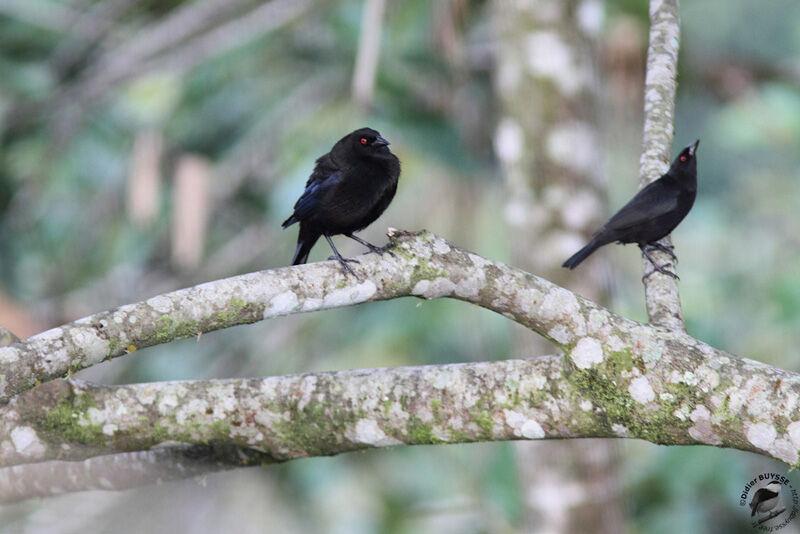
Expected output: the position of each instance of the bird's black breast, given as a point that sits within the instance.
(360, 196)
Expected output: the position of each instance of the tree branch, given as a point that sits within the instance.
(661, 291)
(426, 266)
(657, 385)
(618, 378)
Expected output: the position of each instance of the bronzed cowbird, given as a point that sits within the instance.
(652, 214)
(350, 187)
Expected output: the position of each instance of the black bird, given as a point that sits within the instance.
(350, 187)
(652, 214)
(766, 498)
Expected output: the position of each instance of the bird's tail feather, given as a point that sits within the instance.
(288, 222)
(582, 254)
(304, 246)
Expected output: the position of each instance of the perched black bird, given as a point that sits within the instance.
(350, 187)
(652, 214)
(766, 498)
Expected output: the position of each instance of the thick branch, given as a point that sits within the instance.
(425, 266)
(618, 377)
(661, 291)
(661, 386)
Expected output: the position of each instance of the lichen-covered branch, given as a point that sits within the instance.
(425, 265)
(617, 377)
(661, 291)
(120, 471)
(638, 382)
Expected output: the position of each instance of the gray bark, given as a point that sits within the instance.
(617, 377)
(549, 146)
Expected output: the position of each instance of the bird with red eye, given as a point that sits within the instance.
(652, 214)
(350, 187)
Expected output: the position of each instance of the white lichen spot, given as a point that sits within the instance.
(132, 319)
(367, 431)
(666, 397)
(652, 353)
(167, 403)
(523, 426)
(191, 411)
(160, 304)
(784, 450)
(597, 322)
(478, 261)
(709, 379)
(109, 429)
(689, 378)
(558, 304)
(587, 353)
(439, 287)
(311, 304)
(585, 405)
(702, 431)
(620, 430)
(442, 379)
(641, 391)
(351, 295)
(532, 430)
(508, 141)
(8, 356)
(614, 343)
(308, 387)
(281, 304)
(95, 348)
(560, 334)
(49, 335)
(440, 246)
(679, 415)
(95, 416)
(470, 286)
(26, 442)
(794, 433)
(761, 435)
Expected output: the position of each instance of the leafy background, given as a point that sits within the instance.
(81, 80)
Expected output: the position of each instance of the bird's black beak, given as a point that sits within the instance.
(693, 147)
(380, 141)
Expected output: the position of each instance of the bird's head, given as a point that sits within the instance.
(364, 142)
(686, 162)
(774, 486)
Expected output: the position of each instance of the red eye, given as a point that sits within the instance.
(363, 140)
(683, 159)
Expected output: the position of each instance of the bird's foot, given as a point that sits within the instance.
(344, 264)
(372, 248)
(656, 267)
(382, 250)
(661, 269)
(667, 249)
(341, 259)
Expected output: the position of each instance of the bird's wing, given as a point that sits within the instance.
(651, 202)
(319, 182)
(326, 174)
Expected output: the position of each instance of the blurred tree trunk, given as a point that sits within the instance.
(548, 145)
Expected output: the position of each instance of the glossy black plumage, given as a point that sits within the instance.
(652, 214)
(350, 187)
